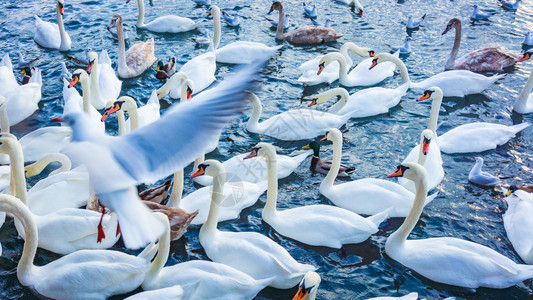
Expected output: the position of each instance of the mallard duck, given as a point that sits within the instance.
(166, 70)
(322, 167)
(513, 188)
(28, 72)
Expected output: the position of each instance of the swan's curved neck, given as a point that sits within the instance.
(25, 266)
(161, 258)
(455, 49)
(335, 164)
(38, 167)
(4, 121)
(210, 225)
(64, 45)
(281, 23)
(343, 67)
(177, 190)
(121, 46)
(165, 88)
(130, 106)
(272, 191)
(95, 81)
(216, 29)
(121, 122)
(524, 95)
(86, 93)
(434, 115)
(16, 159)
(344, 96)
(256, 114)
(400, 235)
(403, 69)
(140, 17)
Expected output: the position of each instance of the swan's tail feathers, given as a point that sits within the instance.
(37, 19)
(153, 98)
(301, 157)
(495, 78)
(380, 217)
(103, 58)
(137, 224)
(430, 198)
(519, 127)
(6, 62)
(36, 77)
(276, 48)
(149, 252)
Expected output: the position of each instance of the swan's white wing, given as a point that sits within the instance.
(169, 144)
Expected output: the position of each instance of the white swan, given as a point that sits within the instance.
(21, 100)
(105, 86)
(62, 231)
(236, 196)
(138, 58)
(168, 23)
(481, 136)
(368, 102)
(240, 52)
(524, 103)
(199, 279)
(294, 124)
(308, 287)
(331, 71)
(361, 75)
(332, 226)
(7, 77)
(449, 260)
(254, 169)
(200, 69)
(367, 196)
(433, 160)
(76, 103)
(139, 117)
(62, 188)
(50, 35)
(174, 292)
(249, 252)
(518, 223)
(84, 274)
(458, 83)
(410, 296)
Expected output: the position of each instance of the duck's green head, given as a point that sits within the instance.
(315, 146)
(159, 66)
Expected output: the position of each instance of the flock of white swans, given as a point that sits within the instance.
(101, 172)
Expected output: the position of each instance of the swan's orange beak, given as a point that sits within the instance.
(360, 13)
(189, 93)
(300, 295)
(425, 146)
(109, 111)
(201, 170)
(74, 80)
(374, 63)
(58, 120)
(398, 172)
(61, 9)
(425, 96)
(253, 153)
(526, 56)
(90, 67)
(313, 102)
(371, 53)
(320, 68)
(208, 14)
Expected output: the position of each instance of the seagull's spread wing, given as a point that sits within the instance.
(169, 144)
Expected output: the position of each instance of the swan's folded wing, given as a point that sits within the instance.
(169, 144)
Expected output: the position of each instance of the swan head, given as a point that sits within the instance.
(61, 6)
(78, 75)
(452, 23)
(410, 170)
(116, 20)
(214, 10)
(526, 56)
(382, 57)
(328, 58)
(315, 147)
(7, 141)
(265, 150)
(209, 167)
(112, 107)
(276, 6)
(308, 286)
(425, 140)
(93, 59)
(2, 101)
(432, 93)
(325, 96)
(332, 134)
(187, 88)
(511, 190)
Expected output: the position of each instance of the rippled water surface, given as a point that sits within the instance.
(373, 145)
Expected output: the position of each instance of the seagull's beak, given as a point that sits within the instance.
(320, 68)
(58, 120)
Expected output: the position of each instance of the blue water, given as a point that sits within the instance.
(373, 145)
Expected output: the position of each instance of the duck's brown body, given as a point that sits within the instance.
(157, 194)
(322, 167)
(312, 35)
